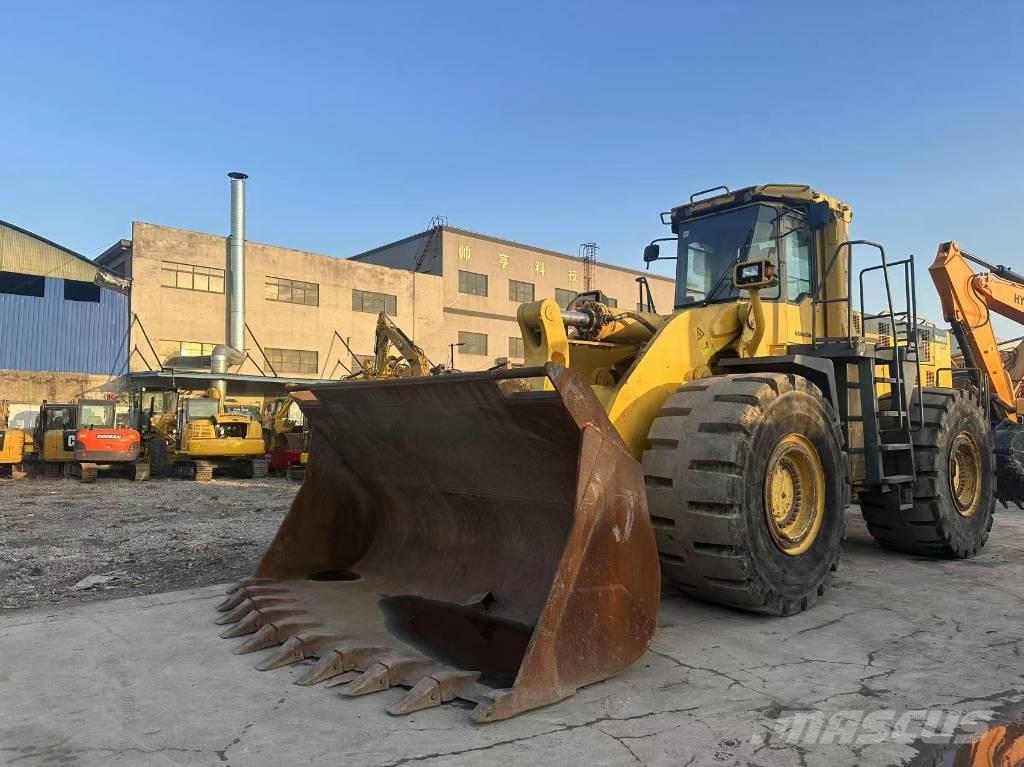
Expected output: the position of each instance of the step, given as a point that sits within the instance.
(898, 479)
(896, 446)
(906, 507)
(892, 413)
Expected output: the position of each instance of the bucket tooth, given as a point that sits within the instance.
(248, 592)
(252, 603)
(247, 581)
(296, 648)
(374, 679)
(266, 637)
(440, 687)
(272, 634)
(337, 661)
(253, 621)
(236, 613)
(397, 670)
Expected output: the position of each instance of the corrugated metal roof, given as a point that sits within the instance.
(24, 252)
(53, 334)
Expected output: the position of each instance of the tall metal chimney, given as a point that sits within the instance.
(236, 264)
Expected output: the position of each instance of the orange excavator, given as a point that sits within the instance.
(968, 300)
(101, 443)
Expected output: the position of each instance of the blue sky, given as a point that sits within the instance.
(549, 123)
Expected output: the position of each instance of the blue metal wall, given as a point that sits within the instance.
(52, 334)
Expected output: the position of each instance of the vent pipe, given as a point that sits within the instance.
(236, 264)
(234, 352)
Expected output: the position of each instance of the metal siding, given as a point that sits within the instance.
(52, 334)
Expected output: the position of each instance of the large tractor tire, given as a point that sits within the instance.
(747, 487)
(954, 488)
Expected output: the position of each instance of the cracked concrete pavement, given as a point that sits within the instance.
(146, 680)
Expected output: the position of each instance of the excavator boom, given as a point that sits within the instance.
(968, 300)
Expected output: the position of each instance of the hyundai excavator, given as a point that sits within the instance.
(968, 300)
(501, 537)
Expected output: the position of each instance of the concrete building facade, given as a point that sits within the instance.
(485, 279)
(300, 305)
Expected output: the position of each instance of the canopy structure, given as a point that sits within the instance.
(198, 380)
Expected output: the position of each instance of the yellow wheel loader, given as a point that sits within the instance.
(200, 438)
(502, 537)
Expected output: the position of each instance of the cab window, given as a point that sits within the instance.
(799, 278)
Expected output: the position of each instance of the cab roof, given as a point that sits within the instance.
(791, 194)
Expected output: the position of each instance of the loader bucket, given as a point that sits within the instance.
(461, 537)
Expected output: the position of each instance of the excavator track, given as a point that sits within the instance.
(138, 472)
(195, 471)
(85, 472)
(296, 472)
(6, 474)
(1010, 464)
(257, 468)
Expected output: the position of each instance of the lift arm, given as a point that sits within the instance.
(968, 298)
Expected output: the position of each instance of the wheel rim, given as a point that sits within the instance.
(965, 474)
(794, 494)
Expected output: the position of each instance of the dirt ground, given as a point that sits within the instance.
(134, 537)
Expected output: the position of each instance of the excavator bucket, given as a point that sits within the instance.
(461, 537)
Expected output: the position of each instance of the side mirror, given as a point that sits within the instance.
(651, 252)
(754, 275)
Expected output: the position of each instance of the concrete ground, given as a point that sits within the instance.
(146, 681)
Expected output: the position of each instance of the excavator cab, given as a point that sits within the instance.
(105, 442)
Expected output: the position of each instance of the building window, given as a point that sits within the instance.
(291, 361)
(14, 284)
(205, 279)
(473, 343)
(374, 303)
(563, 297)
(515, 347)
(520, 292)
(472, 283)
(170, 348)
(612, 302)
(81, 291)
(292, 291)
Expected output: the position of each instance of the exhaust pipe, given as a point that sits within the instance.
(234, 352)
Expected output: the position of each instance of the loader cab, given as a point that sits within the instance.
(710, 246)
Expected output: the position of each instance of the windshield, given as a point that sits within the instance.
(201, 408)
(99, 415)
(710, 247)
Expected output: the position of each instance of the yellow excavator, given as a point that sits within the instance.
(502, 537)
(12, 446)
(200, 438)
(410, 359)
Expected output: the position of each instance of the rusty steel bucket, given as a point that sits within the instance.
(461, 537)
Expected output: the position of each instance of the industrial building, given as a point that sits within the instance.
(63, 322)
(304, 311)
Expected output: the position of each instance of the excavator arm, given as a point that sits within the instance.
(968, 299)
(390, 335)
